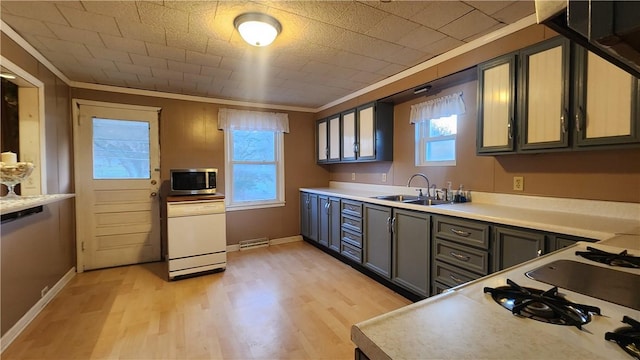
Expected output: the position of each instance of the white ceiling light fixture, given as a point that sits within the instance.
(257, 29)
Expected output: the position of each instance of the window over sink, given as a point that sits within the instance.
(436, 127)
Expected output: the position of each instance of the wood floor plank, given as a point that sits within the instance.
(288, 301)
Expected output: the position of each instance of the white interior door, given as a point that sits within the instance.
(117, 174)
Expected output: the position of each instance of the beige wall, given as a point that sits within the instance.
(189, 137)
(595, 174)
(37, 251)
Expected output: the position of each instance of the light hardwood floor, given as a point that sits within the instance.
(288, 301)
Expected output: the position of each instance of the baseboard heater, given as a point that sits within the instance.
(253, 243)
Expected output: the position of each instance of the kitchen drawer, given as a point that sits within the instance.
(352, 223)
(351, 252)
(353, 238)
(350, 207)
(465, 257)
(451, 275)
(463, 231)
(439, 288)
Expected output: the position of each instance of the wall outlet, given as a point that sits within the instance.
(518, 183)
(384, 177)
(353, 176)
(44, 291)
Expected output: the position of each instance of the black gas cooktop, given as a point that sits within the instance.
(623, 259)
(546, 306)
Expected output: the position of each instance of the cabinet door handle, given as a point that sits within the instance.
(456, 279)
(563, 127)
(393, 225)
(578, 113)
(389, 224)
(539, 252)
(460, 232)
(326, 207)
(459, 256)
(509, 132)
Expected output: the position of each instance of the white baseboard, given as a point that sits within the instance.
(284, 240)
(22, 324)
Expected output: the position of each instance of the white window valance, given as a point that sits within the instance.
(232, 119)
(437, 108)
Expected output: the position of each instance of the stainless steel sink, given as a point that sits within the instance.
(402, 198)
(426, 202)
(411, 199)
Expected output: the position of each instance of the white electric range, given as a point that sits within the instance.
(468, 323)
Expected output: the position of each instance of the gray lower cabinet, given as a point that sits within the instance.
(397, 246)
(351, 230)
(512, 247)
(377, 235)
(329, 222)
(557, 242)
(309, 215)
(460, 251)
(411, 250)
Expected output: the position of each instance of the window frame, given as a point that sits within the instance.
(229, 162)
(422, 139)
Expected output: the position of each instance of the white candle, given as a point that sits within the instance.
(9, 158)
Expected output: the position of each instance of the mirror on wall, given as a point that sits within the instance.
(22, 124)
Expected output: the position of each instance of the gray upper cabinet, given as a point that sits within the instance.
(555, 96)
(543, 97)
(411, 250)
(349, 142)
(512, 247)
(377, 239)
(496, 105)
(607, 103)
(361, 134)
(328, 140)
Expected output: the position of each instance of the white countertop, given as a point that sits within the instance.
(598, 220)
(8, 206)
(467, 323)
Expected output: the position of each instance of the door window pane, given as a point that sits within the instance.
(120, 149)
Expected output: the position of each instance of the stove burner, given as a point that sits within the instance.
(546, 306)
(628, 337)
(622, 259)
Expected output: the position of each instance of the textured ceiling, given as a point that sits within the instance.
(327, 49)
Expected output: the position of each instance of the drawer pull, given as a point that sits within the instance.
(460, 232)
(456, 279)
(459, 256)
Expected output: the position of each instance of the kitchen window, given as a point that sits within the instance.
(436, 141)
(436, 127)
(254, 158)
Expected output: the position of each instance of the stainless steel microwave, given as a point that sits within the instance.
(193, 181)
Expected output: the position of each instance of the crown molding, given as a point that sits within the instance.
(502, 32)
(472, 45)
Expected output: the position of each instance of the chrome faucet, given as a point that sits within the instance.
(424, 177)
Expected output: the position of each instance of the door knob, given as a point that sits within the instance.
(154, 194)
(153, 182)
